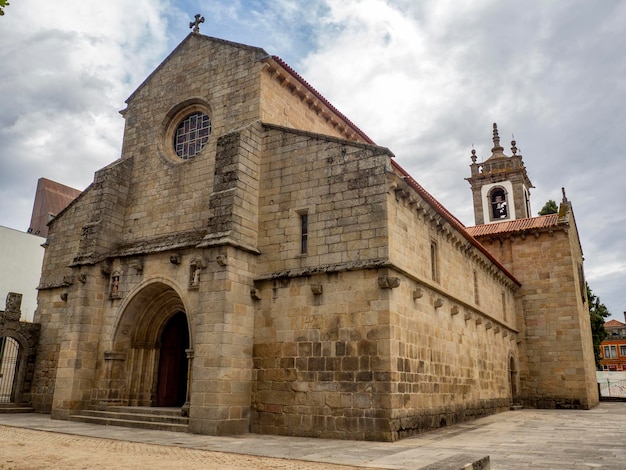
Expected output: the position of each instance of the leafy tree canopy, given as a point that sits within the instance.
(549, 207)
(598, 313)
(3, 3)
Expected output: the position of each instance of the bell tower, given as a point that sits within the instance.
(500, 185)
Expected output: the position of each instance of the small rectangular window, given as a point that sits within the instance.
(504, 306)
(434, 261)
(610, 352)
(304, 233)
(622, 350)
(476, 296)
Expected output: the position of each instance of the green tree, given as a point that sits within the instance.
(549, 207)
(3, 4)
(598, 313)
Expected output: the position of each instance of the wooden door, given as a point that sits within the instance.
(172, 379)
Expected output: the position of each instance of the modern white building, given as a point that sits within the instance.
(21, 255)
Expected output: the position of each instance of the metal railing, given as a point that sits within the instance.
(9, 350)
(612, 388)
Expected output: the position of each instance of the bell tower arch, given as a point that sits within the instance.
(500, 185)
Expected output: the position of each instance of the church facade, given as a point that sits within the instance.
(256, 260)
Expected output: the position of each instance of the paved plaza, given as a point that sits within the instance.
(537, 439)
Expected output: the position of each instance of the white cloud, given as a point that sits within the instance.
(66, 73)
(427, 79)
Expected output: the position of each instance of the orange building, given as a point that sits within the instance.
(613, 348)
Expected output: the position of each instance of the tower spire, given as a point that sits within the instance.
(500, 185)
(497, 149)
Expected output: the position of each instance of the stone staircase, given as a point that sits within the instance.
(15, 408)
(144, 417)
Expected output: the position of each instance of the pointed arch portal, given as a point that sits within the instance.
(151, 344)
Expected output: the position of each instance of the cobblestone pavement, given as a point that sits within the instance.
(537, 439)
(25, 449)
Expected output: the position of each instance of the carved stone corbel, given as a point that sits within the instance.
(386, 282)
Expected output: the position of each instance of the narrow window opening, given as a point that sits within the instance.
(304, 233)
(504, 306)
(434, 261)
(476, 296)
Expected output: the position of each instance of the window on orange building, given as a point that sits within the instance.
(610, 352)
(622, 350)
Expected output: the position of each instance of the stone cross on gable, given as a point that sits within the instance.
(196, 23)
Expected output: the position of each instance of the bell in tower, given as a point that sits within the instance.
(500, 185)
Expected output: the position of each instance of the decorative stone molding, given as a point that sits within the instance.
(222, 260)
(82, 278)
(105, 269)
(114, 356)
(468, 316)
(175, 259)
(255, 294)
(438, 302)
(488, 325)
(454, 310)
(63, 296)
(137, 265)
(317, 289)
(386, 282)
(418, 293)
(13, 309)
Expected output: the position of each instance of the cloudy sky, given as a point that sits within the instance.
(425, 78)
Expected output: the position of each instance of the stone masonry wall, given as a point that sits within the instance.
(453, 332)
(557, 353)
(337, 184)
(320, 351)
(220, 79)
(321, 357)
(287, 107)
(57, 277)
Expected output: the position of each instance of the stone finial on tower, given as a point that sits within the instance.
(196, 23)
(497, 150)
(514, 147)
(564, 196)
(475, 167)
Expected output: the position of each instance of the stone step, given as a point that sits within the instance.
(125, 413)
(516, 407)
(142, 410)
(15, 408)
(130, 423)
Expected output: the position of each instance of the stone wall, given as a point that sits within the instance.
(355, 339)
(288, 103)
(557, 367)
(454, 331)
(321, 357)
(337, 184)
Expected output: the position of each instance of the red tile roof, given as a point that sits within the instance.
(513, 226)
(614, 324)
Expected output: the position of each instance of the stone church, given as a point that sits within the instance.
(257, 263)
